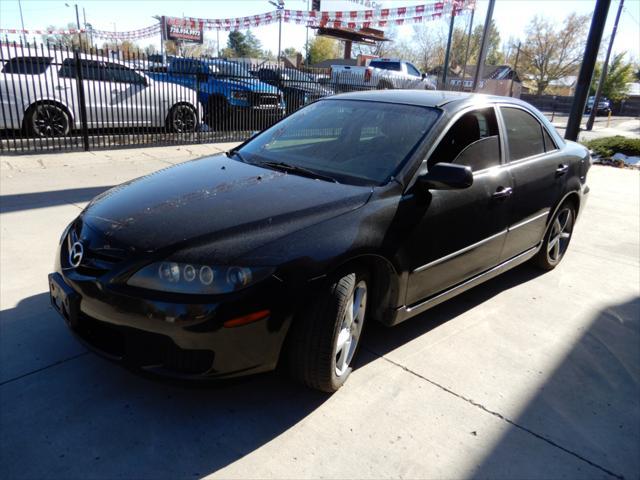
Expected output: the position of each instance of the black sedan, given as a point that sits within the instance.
(298, 87)
(359, 207)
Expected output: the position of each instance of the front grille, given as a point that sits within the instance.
(96, 260)
(143, 349)
(264, 99)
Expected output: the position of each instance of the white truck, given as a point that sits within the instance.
(380, 73)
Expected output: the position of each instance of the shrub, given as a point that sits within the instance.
(608, 146)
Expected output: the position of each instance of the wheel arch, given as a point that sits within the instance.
(573, 197)
(48, 101)
(385, 281)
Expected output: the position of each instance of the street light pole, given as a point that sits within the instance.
(484, 44)
(605, 68)
(24, 35)
(279, 8)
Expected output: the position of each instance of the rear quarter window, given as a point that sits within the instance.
(386, 65)
(27, 65)
(524, 133)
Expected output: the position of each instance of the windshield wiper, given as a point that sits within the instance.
(286, 167)
(235, 152)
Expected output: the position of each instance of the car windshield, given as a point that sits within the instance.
(229, 69)
(352, 141)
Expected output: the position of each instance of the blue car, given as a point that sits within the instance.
(232, 97)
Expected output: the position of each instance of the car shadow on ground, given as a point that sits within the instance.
(79, 416)
(28, 201)
(589, 406)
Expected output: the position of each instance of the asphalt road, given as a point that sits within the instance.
(528, 376)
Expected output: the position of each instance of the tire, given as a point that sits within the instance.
(556, 241)
(385, 85)
(322, 342)
(47, 120)
(183, 118)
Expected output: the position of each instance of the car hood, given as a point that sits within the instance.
(215, 199)
(306, 87)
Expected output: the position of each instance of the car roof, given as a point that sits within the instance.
(426, 98)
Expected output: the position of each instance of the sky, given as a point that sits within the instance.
(511, 16)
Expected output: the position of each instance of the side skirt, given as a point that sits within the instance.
(404, 313)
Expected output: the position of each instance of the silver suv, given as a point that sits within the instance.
(39, 93)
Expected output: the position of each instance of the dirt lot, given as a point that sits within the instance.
(528, 376)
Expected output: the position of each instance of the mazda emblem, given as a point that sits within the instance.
(75, 254)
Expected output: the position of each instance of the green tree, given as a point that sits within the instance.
(459, 46)
(323, 48)
(618, 75)
(290, 52)
(242, 45)
(550, 53)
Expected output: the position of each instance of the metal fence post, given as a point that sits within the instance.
(82, 104)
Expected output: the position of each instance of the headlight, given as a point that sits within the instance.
(197, 279)
(239, 94)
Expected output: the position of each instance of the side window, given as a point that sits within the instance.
(524, 133)
(122, 74)
(473, 141)
(413, 70)
(549, 144)
(27, 65)
(91, 70)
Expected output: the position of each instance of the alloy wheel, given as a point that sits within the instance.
(560, 235)
(351, 328)
(49, 121)
(183, 119)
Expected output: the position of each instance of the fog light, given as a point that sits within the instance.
(252, 317)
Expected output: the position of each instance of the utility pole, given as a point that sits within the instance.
(24, 34)
(605, 68)
(515, 66)
(279, 4)
(484, 44)
(586, 69)
(448, 52)
(466, 53)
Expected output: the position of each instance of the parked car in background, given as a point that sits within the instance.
(231, 95)
(39, 93)
(604, 105)
(298, 87)
(381, 74)
(364, 206)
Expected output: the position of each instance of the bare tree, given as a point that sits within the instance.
(429, 45)
(549, 53)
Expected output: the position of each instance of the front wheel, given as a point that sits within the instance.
(325, 338)
(556, 241)
(47, 120)
(183, 119)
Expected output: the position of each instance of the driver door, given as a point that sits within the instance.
(461, 232)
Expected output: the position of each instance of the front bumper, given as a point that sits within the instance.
(171, 336)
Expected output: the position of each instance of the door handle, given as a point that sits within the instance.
(503, 192)
(562, 169)
(61, 87)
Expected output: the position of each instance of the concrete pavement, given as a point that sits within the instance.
(528, 376)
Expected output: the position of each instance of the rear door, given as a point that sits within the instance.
(538, 171)
(461, 233)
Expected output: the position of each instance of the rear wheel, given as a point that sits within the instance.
(325, 338)
(556, 241)
(183, 119)
(47, 120)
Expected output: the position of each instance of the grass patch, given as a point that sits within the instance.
(608, 146)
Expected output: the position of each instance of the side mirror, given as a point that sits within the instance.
(202, 77)
(447, 176)
(424, 76)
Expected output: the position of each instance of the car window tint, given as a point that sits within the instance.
(549, 144)
(122, 74)
(27, 65)
(91, 70)
(466, 132)
(524, 133)
(353, 141)
(386, 65)
(412, 70)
